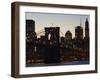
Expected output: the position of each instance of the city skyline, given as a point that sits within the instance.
(64, 21)
(52, 48)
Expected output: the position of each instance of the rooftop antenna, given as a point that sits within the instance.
(80, 22)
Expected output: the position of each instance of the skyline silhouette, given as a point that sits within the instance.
(65, 21)
(53, 48)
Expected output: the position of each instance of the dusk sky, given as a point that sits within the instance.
(64, 21)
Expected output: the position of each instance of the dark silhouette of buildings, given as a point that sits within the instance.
(78, 47)
(52, 48)
(30, 40)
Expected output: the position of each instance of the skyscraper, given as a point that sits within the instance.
(68, 35)
(86, 28)
(68, 44)
(30, 26)
(30, 40)
(86, 38)
(79, 32)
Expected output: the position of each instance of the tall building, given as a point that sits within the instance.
(86, 38)
(30, 40)
(79, 32)
(30, 26)
(78, 41)
(68, 44)
(86, 28)
(30, 31)
(68, 35)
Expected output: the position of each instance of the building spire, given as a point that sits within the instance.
(87, 28)
(80, 22)
(86, 24)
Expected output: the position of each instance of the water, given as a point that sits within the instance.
(58, 64)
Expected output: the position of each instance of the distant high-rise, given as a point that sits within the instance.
(30, 31)
(86, 38)
(68, 35)
(86, 28)
(30, 26)
(79, 32)
(68, 44)
(30, 40)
